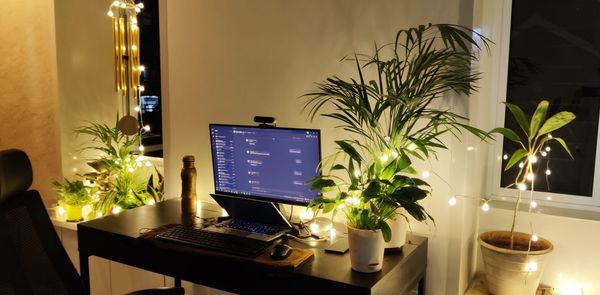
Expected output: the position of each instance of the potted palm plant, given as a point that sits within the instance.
(390, 121)
(514, 260)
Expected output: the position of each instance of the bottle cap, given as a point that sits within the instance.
(188, 158)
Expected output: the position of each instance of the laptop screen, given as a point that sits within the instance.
(265, 163)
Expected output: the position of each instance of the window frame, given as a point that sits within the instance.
(502, 24)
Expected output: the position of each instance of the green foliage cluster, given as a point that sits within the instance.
(73, 193)
(533, 135)
(390, 119)
(120, 177)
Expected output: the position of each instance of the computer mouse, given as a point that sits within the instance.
(281, 251)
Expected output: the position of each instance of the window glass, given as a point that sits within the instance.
(555, 55)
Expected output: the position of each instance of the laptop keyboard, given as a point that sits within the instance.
(215, 241)
(253, 227)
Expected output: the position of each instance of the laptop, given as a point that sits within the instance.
(253, 219)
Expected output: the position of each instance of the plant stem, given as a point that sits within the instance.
(514, 221)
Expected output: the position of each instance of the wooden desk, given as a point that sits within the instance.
(115, 238)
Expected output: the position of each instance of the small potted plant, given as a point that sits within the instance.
(389, 120)
(72, 196)
(514, 260)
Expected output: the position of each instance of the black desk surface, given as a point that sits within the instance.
(115, 238)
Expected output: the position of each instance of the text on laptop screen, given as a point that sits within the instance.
(265, 163)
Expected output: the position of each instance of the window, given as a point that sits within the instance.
(150, 100)
(554, 54)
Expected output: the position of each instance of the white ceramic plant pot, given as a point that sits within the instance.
(398, 228)
(366, 249)
(510, 272)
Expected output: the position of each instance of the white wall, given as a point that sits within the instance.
(86, 88)
(230, 60)
(28, 94)
(572, 267)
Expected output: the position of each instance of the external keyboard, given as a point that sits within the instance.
(214, 241)
(253, 227)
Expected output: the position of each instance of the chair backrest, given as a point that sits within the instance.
(32, 258)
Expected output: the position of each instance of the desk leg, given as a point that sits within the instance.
(84, 268)
(177, 282)
(422, 286)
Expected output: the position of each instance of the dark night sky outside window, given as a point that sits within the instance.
(150, 58)
(555, 55)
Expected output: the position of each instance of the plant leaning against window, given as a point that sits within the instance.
(118, 171)
(390, 119)
(535, 134)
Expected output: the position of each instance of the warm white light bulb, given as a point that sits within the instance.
(136, 108)
(306, 215)
(134, 27)
(534, 238)
(137, 9)
(98, 214)
(116, 3)
(522, 186)
(549, 135)
(151, 202)
(530, 176)
(394, 154)
(140, 5)
(74, 157)
(131, 169)
(533, 159)
(411, 147)
(485, 207)
(134, 47)
(116, 210)
(534, 204)
(452, 201)
(141, 148)
(134, 20)
(123, 5)
(147, 128)
(532, 266)
(314, 228)
(425, 174)
(548, 172)
(356, 173)
(341, 206)
(75, 169)
(470, 148)
(110, 13)
(549, 198)
(61, 210)
(141, 88)
(544, 153)
(521, 165)
(141, 68)
(548, 148)
(505, 157)
(148, 164)
(384, 158)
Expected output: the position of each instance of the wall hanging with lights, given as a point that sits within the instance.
(126, 37)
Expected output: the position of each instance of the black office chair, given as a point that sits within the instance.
(32, 259)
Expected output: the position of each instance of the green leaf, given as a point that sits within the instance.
(555, 122)
(350, 150)
(328, 207)
(372, 190)
(413, 193)
(321, 183)
(516, 157)
(564, 145)
(507, 133)
(519, 117)
(538, 117)
(386, 231)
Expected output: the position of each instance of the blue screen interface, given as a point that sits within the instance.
(265, 163)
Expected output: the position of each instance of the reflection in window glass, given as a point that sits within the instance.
(555, 55)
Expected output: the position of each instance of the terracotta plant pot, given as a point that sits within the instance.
(366, 249)
(74, 212)
(515, 271)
